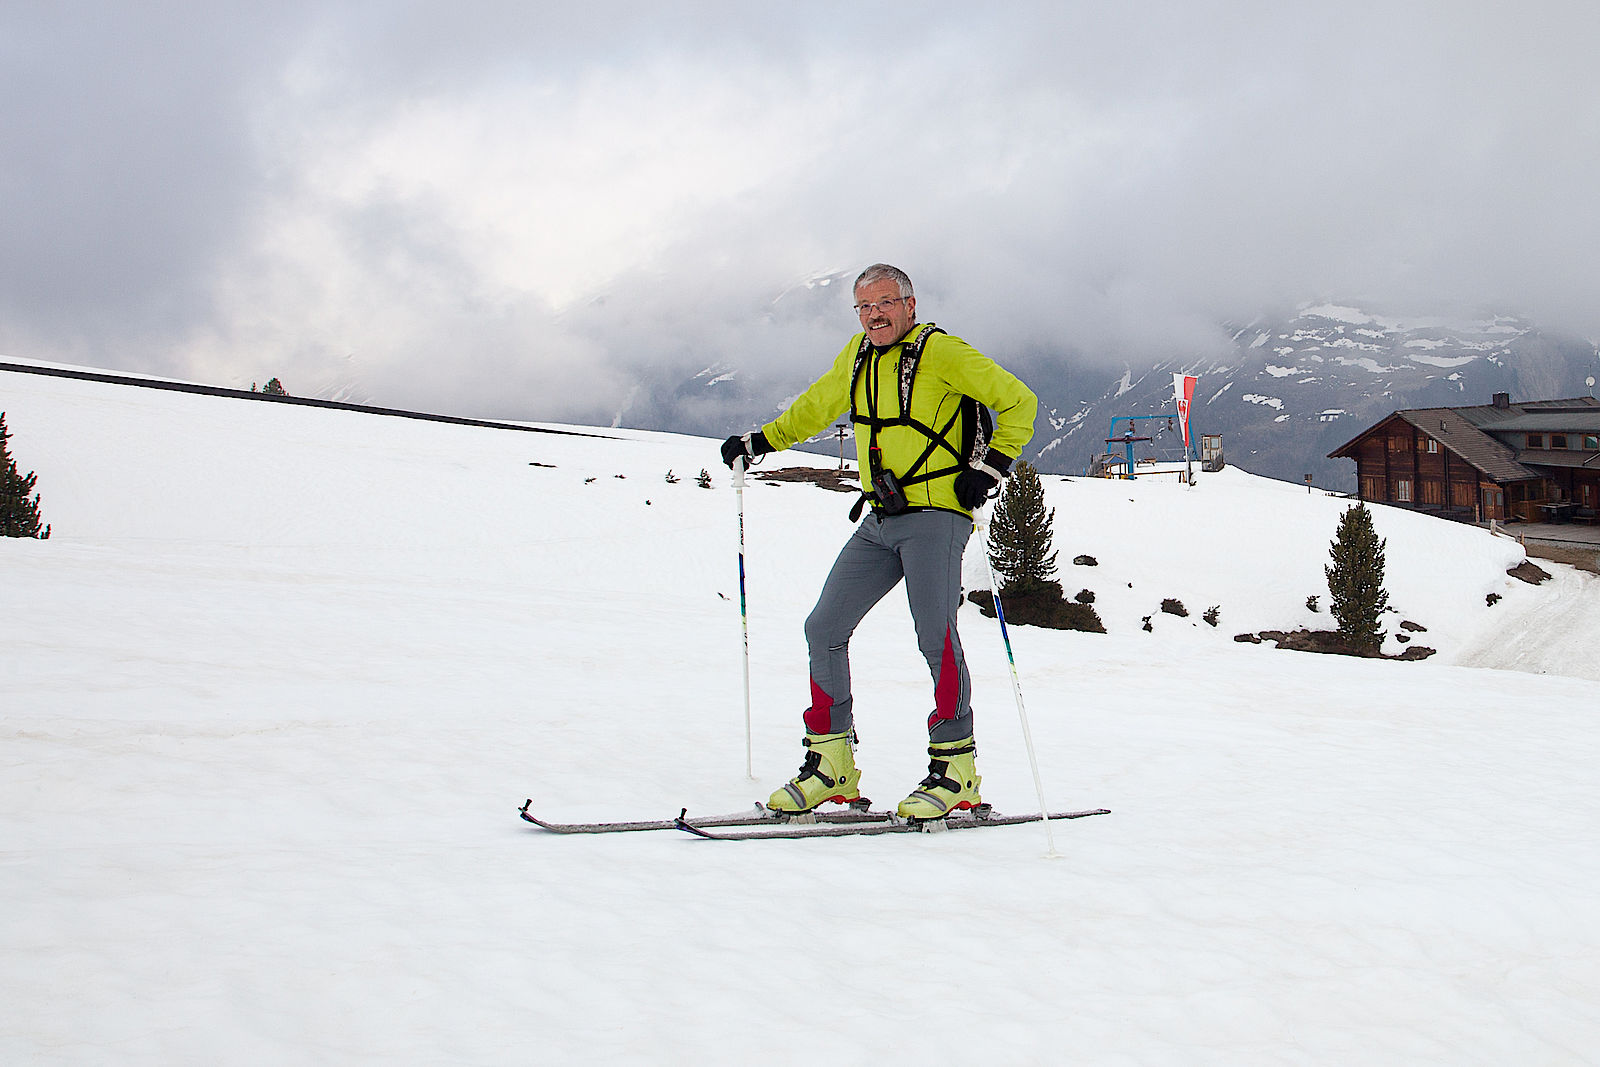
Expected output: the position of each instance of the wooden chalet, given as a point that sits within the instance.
(1537, 461)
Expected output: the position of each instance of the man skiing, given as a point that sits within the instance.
(926, 461)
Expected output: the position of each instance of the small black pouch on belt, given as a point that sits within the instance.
(886, 491)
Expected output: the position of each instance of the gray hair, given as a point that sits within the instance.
(880, 272)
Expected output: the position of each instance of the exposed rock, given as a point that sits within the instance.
(1530, 572)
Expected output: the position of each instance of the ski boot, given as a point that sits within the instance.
(828, 774)
(951, 785)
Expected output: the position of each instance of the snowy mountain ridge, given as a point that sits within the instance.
(1283, 391)
(1294, 388)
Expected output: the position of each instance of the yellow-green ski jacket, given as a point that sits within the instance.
(948, 370)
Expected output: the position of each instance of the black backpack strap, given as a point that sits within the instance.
(909, 357)
(976, 426)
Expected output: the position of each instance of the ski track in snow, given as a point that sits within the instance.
(272, 694)
(1552, 635)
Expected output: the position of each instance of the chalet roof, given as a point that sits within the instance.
(1555, 457)
(1492, 418)
(1583, 420)
(1453, 431)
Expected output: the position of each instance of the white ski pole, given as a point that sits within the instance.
(1016, 688)
(744, 618)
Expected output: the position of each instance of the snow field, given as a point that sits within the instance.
(275, 688)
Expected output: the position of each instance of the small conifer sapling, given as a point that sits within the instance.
(1021, 537)
(19, 504)
(1355, 580)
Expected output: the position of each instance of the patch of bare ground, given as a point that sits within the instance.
(1042, 607)
(1585, 559)
(843, 481)
(1530, 572)
(1327, 642)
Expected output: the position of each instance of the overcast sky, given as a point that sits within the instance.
(505, 208)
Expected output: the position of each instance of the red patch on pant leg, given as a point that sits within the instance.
(947, 690)
(819, 717)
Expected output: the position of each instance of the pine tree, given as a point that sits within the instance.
(1355, 580)
(19, 511)
(1021, 540)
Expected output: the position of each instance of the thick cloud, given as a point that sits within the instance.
(513, 208)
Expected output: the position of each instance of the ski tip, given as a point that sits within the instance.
(683, 824)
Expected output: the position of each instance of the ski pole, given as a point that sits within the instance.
(744, 617)
(1016, 688)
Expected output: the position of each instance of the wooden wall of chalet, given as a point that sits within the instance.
(1400, 464)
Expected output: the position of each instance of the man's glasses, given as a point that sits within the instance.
(886, 305)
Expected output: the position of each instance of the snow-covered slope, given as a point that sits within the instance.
(275, 687)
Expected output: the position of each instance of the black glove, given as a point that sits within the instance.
(748, 445)
(974, 484)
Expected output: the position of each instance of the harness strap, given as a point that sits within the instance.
(910, 355)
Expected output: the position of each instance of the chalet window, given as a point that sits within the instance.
(1402, 490)
(1432, 491)
(1536, 440)
(1371, 488)
(1558, 440)
(1433, 446)
(1400, 444)
(1591, 441)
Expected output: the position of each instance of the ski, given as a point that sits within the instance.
(759, 816)
(890, 825)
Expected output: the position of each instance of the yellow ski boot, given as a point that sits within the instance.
(828, 774)
(951, 785)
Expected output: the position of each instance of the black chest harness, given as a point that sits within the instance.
(976, 425)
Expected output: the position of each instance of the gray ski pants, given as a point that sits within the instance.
(924, 548)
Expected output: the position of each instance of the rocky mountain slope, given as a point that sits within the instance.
(1290, 389)
(1294, 388)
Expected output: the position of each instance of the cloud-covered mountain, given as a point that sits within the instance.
(1287, 391)
(1294, 388)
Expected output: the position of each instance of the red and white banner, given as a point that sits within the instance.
(1183, 392)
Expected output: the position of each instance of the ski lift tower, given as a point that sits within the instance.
(1128, 439)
